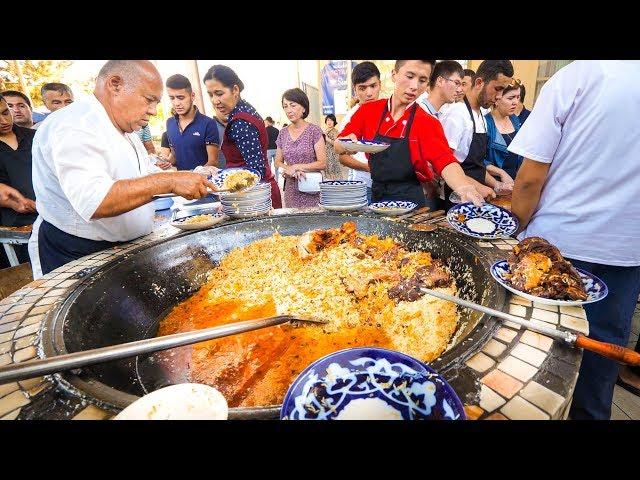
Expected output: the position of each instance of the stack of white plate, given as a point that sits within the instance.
(254, 203)
(343, 195)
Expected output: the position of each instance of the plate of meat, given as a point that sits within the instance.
(536, 270)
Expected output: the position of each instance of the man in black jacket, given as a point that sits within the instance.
(272, 133)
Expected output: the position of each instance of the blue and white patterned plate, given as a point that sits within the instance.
(341, 183)
(346, 380)
(488, 222)
(392, 208)
(219, 179)
(595, 287)
(363, 146)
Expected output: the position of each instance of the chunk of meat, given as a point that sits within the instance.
(358, 284)
(528, 272)
(315, 241)
(538, 268)
(410, 289)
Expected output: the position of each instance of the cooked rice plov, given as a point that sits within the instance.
(198, 219)
(367, 288)
(239, 180)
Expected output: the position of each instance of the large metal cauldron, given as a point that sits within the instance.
(125, 299)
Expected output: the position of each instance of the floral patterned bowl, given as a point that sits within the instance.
(370, 383)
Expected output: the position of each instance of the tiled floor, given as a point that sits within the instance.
(626, 406)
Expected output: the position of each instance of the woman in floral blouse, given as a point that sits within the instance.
(301, 148)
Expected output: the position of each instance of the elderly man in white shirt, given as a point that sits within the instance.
(92, 176)
(578, 189)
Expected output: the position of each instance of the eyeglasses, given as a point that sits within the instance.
(515, 82)
(457, 83)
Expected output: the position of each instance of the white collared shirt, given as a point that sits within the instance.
(584, 124)
(458, 127)
(423, 101)
(77, 155)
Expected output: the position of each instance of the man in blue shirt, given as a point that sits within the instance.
(193, 137)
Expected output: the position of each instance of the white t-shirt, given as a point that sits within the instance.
(458, 128)
(77, 156)
(584, 125)
(361, 157)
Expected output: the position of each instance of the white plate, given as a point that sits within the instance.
(215, 218)
(363, 146)
(392, 208)
(250, 214)
(311, 182)
(343, 208)
(596, 288)
(184, 401)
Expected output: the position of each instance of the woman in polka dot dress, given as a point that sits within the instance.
(301, 148)
(245, 136)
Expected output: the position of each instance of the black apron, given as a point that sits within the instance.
(56, 247)
(473, 164)
(392, 173)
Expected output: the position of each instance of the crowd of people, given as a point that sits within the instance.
(85, 175)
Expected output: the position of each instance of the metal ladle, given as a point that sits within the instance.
(45, 366)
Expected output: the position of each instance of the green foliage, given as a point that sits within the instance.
(34, 72)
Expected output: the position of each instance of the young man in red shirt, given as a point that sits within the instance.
(416, 141)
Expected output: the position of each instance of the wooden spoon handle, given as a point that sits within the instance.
(609, 350)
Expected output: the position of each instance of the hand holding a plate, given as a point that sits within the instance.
(339, 148)
(293, 171)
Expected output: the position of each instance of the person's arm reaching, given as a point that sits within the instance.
(352, 130)
(212, 156)
(212, 141)
(499, 172)
(526, 191)
(351, 162)
(148, 144)
(435, 153)
(13, 199)
(126, 195)
(463, 185)
(81, 158)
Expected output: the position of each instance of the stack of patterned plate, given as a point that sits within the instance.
(254, 203)
(343, 195)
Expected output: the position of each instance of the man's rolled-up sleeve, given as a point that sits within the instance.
(80, 161)
(540, 135)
